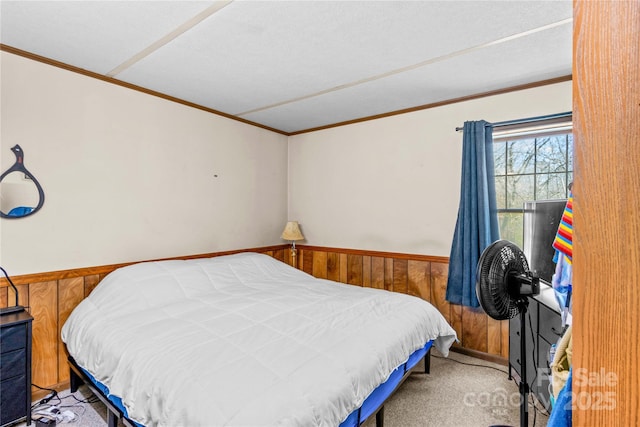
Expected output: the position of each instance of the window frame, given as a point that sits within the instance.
(523, 133)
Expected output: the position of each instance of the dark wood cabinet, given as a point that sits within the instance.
(543, 329)
(15, 368)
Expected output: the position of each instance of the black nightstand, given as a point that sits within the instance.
(15, 368)
(544, 328)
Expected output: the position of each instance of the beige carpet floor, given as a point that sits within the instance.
(455, 394)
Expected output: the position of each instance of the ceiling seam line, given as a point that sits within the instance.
(409, 67)
(181, 29)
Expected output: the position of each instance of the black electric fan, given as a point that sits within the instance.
(503, 285)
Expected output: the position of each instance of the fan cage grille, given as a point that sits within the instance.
(501, 260)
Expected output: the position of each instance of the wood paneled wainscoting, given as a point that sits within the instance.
(50, 298)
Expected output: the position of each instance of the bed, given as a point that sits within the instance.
(245, 340)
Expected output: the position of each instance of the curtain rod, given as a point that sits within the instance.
(527, 120)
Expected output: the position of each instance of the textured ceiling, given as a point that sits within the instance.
(296, 65)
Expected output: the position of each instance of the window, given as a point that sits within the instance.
(530, 166)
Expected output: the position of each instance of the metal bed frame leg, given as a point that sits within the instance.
(427, 362)
(114, 414)
(380, 417)
(74, 381)
(427, 370)
(112, 419)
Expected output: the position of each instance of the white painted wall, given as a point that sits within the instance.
(129, 176)
(393, 184)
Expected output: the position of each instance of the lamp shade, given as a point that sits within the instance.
(292, 231)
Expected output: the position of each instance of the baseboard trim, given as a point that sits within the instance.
(481, 355)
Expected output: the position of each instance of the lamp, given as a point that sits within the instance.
(292, 233)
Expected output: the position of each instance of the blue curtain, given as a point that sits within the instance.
(477, 224)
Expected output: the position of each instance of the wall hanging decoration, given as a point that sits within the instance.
(20, 192)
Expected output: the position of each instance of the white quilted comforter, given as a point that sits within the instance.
(244, 340)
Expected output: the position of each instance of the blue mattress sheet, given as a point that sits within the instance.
(384, 390)
(357, 417)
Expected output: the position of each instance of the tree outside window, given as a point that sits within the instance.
(536, 168)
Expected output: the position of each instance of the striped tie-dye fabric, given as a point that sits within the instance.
(564, 237)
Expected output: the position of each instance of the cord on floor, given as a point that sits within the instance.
(532, 400)
(51, 407)
(470, 364)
